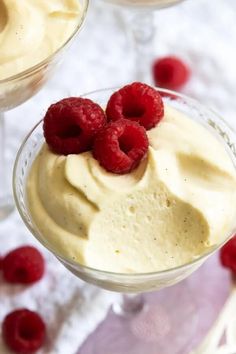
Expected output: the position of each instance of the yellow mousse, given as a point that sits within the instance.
(32, 30)
(179, 202)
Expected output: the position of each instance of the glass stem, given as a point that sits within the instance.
(129, 305)
(143, 31)
(6, 202)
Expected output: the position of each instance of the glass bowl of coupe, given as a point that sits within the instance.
(142, 231)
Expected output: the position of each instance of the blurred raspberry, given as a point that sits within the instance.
(23, 331)
(24, 265)
(136, 102)
(228, 255)
(170, 72)
(71, 124)
(120, 146)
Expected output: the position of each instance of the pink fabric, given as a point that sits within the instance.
(177, 318)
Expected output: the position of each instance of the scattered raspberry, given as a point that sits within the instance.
(228, 255)
(120, 146)
(170, 72)
(23, 331)
(24, 265)
(71, 124)
(1, 260)
(136, 102)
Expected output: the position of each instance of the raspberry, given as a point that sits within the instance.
(120, 146)
(136, 102)
(71, 124)
(23, 331)
(228, 255)
(170, 72)
(1, 259)
(24, 265)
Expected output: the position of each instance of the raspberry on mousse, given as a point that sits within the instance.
(71, 124)
(75, 125)
(120, 146)
(24, 331)
(136, 102)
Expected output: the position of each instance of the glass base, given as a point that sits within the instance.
(129, 305)
(6, 207)
(166, 323)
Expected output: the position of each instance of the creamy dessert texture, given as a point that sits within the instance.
(32, 30)
(178, 202)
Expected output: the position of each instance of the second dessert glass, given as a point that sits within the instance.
(131, 285)
(17, 89)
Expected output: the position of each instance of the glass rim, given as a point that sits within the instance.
(139, 7)
(80, 266)
(28, 72)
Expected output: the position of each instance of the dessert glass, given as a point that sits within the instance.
(131, 285)
(19, 88)
(141, 26)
